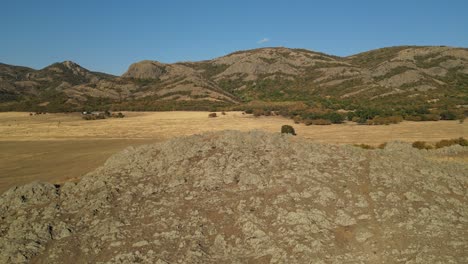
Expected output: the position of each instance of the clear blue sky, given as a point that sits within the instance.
(108, 36)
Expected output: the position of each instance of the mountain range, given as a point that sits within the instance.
(403, 74)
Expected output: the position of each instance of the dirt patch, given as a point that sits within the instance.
(56, 161)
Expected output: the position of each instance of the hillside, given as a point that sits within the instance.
(237, 197)
(47, 87)
(433, 76)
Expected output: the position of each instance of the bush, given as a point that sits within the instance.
(421, 145)
(307, 122)
(431, 117)
(212, 115)
(258, 112)
(297, 119)
(321, 122)
(93, 117)
(334, 117)
(382, 146)
(413, 118)
(450, 142)
(350, 116)
(463, 142)
(287, 129)
(385, 120)
(441, 144)
(448, 115)
(88, 117)
(364, 146)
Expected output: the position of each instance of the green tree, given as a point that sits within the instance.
(287, 129)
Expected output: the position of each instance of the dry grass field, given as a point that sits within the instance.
(60, 147)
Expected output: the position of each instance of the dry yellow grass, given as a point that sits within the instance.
(59, 147)
(163, 125)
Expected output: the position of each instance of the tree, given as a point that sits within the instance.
(287, 129)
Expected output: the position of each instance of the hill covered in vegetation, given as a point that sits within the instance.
(411, 82)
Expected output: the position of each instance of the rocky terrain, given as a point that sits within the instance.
(277, 74)
(251, 197)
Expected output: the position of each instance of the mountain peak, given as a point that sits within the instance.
(71, 64)
(146, 69)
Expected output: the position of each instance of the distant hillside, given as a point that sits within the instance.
(26, 88)
(436, 77)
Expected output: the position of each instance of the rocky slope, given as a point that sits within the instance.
(278, 74)
(48, 85)
(232, 197)
(59, 76)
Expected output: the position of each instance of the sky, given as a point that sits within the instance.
(108, 36)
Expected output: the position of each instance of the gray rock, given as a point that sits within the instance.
(237, 197)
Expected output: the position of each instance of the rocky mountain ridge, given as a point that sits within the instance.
(267, 74)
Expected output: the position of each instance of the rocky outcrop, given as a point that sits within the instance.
(145, 70)
(237, 197)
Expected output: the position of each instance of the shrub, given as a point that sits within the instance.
(463, 142)
(360, 120)
(431, 117)
(350, 116)
(413, 118)
(385, 120)
(448, 115)
(445, 143)
(321, 122)
(258, 112)
(287, 129)
(223, 113)
(212, 115)
(249, 111)
(450, 142)
(307, 122)
(421, 145)
(93, 117)
(382, 146)
(334, 117)
(364, 146)
(88, 117)
(297, 119)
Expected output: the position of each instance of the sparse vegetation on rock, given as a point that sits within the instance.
(233, 197)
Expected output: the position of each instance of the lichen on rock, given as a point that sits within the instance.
(238, 197)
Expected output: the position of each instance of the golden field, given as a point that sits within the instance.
(61, 147)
